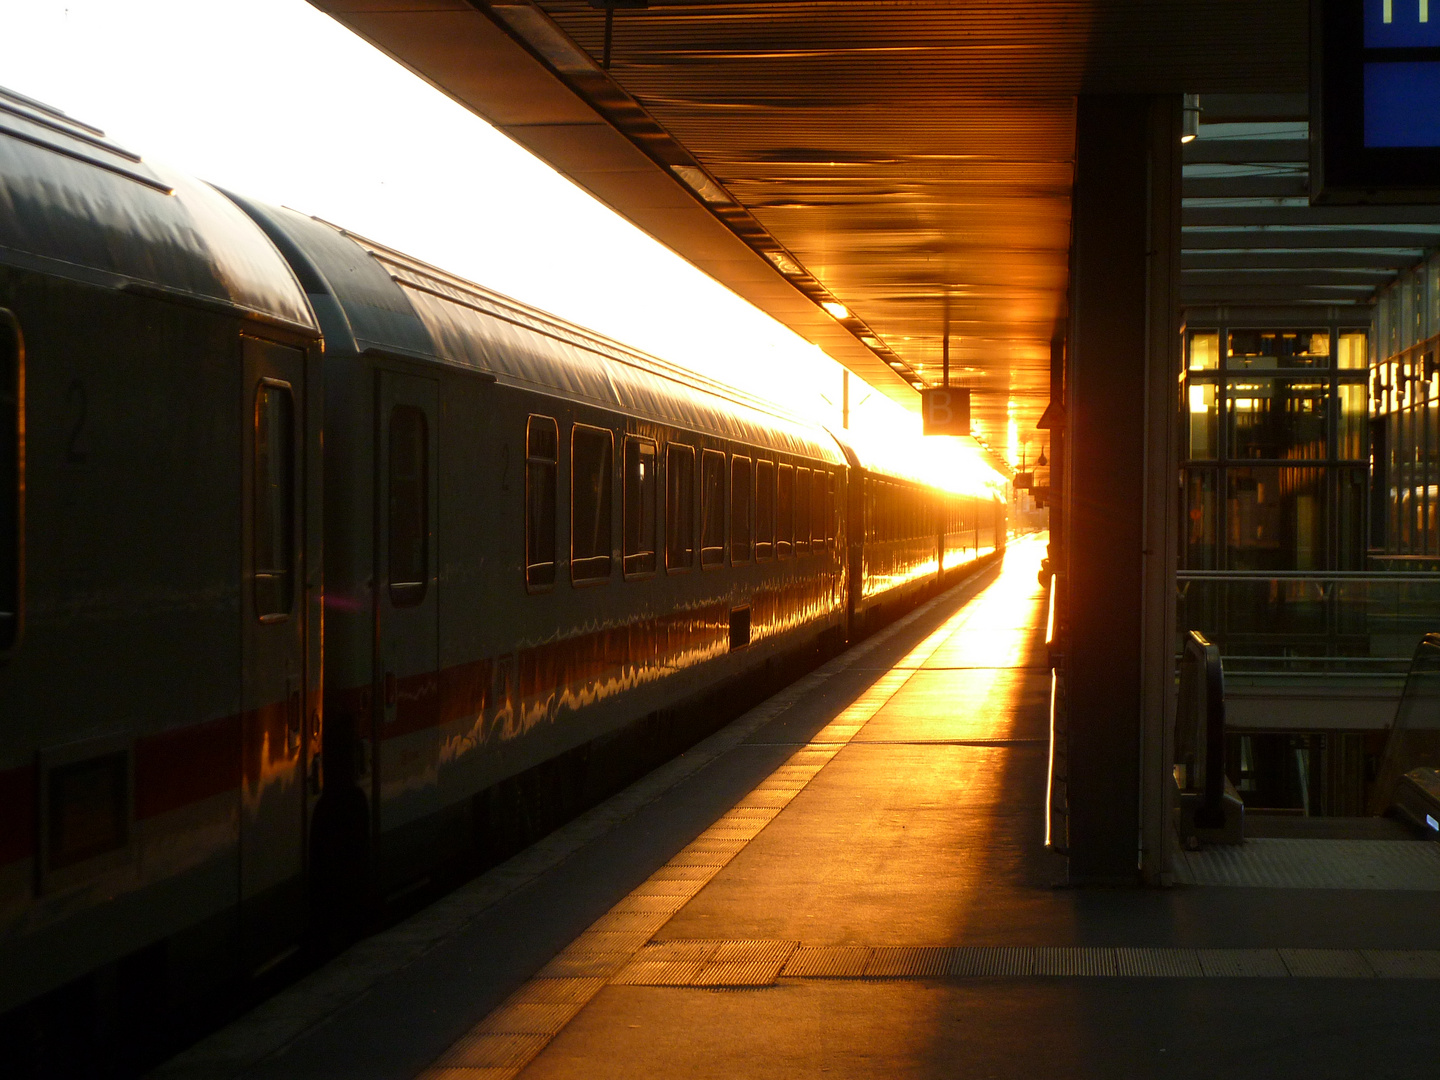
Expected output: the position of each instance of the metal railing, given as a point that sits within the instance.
(1302, 624)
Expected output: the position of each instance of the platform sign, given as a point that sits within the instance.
(946, 410)
(1375, 101)
(1024, 481)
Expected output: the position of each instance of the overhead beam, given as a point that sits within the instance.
(1274, 294)
(1310, 215)
(1370, 279)
(1246, 151)
(1296, 260)
(1336, 239)
(1253, 186)
(1253, 108)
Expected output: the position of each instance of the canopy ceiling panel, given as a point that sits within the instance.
(910, 160)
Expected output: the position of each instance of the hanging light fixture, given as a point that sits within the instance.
(1189, 118)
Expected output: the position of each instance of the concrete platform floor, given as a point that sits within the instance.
(850, 881)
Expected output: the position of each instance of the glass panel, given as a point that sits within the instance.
(832, 518)
(409, 505)
(802, 509)
(1352, 350)
(1204, 420)
(1275, 518)
(764, 509)
(1354, 401)
(1351, 512)
(274, 544)
(592, 471)
(679, 507)
(785, 511)
(1200, 523)
(1405, 294)
(742, 509)
(1278, 418)
(639, 506)
(542, 451)
(712, 508)
(1278, 348)
(11, 484)
(1385, 347)
(1432, 298)
(1204, 349)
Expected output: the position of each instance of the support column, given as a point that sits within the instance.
(1120, 486)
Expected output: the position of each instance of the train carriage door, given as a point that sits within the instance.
(407, 606)
(273, 610)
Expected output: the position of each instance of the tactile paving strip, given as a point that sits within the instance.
(1286, 863)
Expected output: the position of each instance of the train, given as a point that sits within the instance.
(325, 574)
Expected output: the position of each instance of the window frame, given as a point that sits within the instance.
(626, 555)
(784, 539)
(722, 547)
(764, 540)
(674, 450)
(288, 574)
(609, 477)
(404, 594)
(531, 460)
(12, 551)
(748, 556)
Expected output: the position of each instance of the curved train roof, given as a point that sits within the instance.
(370, 297)
(74, 204)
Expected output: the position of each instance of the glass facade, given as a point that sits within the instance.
(1260, 401)
(1404, 420)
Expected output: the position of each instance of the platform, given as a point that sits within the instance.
(850, 880)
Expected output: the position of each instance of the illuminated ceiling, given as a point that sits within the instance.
(910, 160)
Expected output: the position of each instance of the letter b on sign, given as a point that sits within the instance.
(946, 411)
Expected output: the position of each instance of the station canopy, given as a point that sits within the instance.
(876, 174)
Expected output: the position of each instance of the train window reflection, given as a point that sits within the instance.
(764, 509)
(639, 506)
(542, 455)
(591, 480)
(742, 509)
(712, 508)
(785, 511)
(802, 510)
(11, 482)
(273, 548)
(819, 493)
(679, 507)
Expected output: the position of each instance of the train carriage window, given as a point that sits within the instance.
(784, 511)
(817, 508)
(273, 549)
(802, 510)
(639, 506)
(832, 484)
(542, 456)
(12, 486)
(592, 469)
(409, 505)
(764, 509)
(679, 507)
(712, 508)
(742, 509)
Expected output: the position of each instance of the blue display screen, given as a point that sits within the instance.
(1401, 24)
(1402, 104)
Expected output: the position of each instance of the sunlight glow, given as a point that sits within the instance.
(280, 102)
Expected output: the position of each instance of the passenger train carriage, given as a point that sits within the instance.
(324, 573)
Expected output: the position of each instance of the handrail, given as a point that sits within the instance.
(1309, 575)
(1208, 755)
